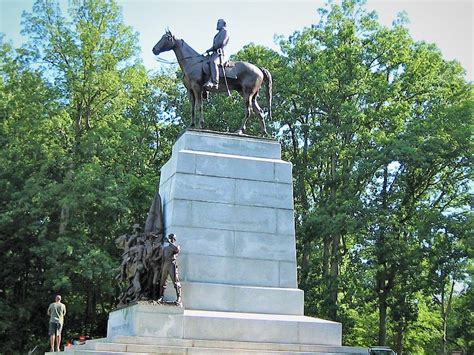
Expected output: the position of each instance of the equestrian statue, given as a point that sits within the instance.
(209, 73)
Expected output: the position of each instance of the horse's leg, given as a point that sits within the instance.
(201, 111)
(259, 112)
(197, 104)
(193, 111)
(248, 111)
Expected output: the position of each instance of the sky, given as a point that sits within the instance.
(447, 23)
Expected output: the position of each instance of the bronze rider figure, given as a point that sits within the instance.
(217, 54)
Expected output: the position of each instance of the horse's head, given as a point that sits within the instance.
(166, 43)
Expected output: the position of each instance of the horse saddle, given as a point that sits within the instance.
(230, 70)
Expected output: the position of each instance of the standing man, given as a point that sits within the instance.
(56, 313)
(217, 57)
(170, 251)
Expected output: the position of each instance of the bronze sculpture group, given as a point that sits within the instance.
(148, 259)
(202, 73)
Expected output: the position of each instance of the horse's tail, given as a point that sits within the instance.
(267, 78)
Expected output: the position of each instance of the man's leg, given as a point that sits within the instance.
(52, 339)
(58, 330)
(163, 281)
(136, 286)
(177, 285)
(214, 72)
(58, 341)
(213, 82)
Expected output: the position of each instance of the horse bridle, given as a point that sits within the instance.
(164, 61)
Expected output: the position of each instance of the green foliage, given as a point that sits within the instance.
(83, 135)
(461, 334)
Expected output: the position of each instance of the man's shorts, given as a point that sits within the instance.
(55, 328)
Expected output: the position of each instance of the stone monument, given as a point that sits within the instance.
(229, 198)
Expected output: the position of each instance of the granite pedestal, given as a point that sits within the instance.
(229, 199)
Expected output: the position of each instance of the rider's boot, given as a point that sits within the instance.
(213, 82)
(211, 85)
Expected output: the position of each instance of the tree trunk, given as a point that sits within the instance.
(90, 309)
(399, 337)
(382, 303)
(301, 195)
(334, 277)
(305, 262)
(65, 210)
(326, 256)
(334, 247)
(63, 219)
(445, 309)
(381, 277)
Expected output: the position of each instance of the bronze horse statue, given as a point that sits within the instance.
(243, 77)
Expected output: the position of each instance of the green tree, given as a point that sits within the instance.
(28, 177)
(367, 118)
(461, 334)
(83, 135)
(426, 169)
(334, 94)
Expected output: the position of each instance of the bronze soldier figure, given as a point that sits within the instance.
(139, 269)
(135, 265)
(137, 230)
(217, 54)
(154, 270)
(170, 251)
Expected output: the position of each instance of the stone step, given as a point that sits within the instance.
(241, 345)
(196, 351)
(152, 345)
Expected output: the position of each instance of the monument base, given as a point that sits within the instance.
(158, 329)
(229, 199)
